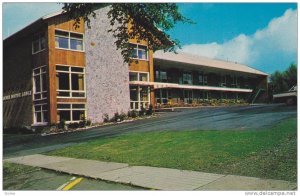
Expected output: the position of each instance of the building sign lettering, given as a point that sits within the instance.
(17, 95)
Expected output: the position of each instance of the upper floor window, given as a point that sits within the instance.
(139, 76)
(70, 81)
(39, 43)
(161, 76)
(68, 40)
(39, 83)
(187, 78)
(139, 52)
(202, 78)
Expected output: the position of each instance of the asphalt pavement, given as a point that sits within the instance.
(197, 119)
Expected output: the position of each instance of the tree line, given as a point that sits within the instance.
(282, 81)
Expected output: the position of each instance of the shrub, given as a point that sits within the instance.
(105, 118)
(82, 123)
(61, 124)
(123, 116)
(74, 125)
(132, 114)
(143, 111)
(88, 123)
(129, 114)
(116, 117)
(150, 110)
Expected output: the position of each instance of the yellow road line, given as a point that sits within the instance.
(71, 184)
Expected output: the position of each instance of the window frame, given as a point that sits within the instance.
(186, 79)
(42, 114)
(41, 83)
(39, 40)
(71, 109)
(136, 46)
(139, 102)
(138, 76)
(69, 40)
(69, 72)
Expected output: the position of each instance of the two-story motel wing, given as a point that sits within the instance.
(54, 71)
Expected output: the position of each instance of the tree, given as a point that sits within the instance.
(283, 81)
(290, 75)
(148, 21)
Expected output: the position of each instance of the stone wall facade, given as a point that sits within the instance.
(107, 76)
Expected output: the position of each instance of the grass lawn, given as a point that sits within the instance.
(15, 175)
(267, 153)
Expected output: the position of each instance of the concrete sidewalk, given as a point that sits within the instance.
(151, 177)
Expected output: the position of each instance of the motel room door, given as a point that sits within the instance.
(188, 96)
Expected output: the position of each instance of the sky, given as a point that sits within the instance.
(261, 35)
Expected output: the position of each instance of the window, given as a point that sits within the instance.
(200, 78)
(133, 76)
(40, 113)
(139, 76)
(187, 78)
(162, 96)
(204, 79)
(223, 80)
(68, 40)
(39, 44)
(161, 76)
(71, 112)
(139, 97)
(139, 52)
(70, 81)
(39, 83)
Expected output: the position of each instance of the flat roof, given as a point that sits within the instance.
(204, 61)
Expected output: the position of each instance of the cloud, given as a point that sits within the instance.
(268, 49)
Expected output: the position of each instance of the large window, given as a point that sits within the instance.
(161, 76)
(139, 97)
(70, 81)
(139, 76)
(71, 112)
(38, 44)
(39, 83)
(40, 113)
(202, 78)
(187, 78)
(139, 52)
(68, 40)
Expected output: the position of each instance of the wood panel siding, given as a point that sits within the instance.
(65, 57)
(61, 56)
(139, 65)
(18, 63)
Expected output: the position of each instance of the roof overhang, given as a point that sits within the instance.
(182, 60)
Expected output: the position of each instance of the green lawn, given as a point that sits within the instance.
(267, 153)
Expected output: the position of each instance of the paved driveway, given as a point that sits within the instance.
(223, 118)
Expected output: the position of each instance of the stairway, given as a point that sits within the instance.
(255, 95)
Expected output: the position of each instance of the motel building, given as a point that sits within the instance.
(54, 71)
